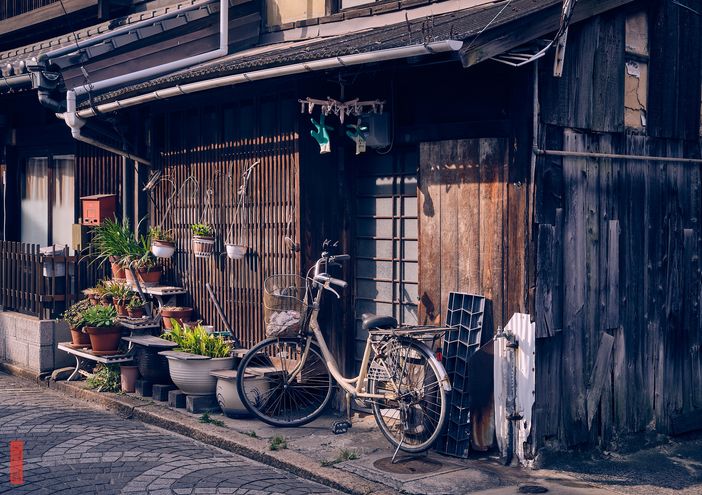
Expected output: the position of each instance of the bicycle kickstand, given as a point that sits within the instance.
(339, 427)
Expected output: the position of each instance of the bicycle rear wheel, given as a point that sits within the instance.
(282, 387)
(413, 420)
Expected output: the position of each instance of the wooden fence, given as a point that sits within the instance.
(37, 284)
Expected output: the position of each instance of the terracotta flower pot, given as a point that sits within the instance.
(135, 312)
(104, 339)
(180, 314)
(120, 306)
(79, 338)
(118, 272)
(105, 301)
(94, 300)
(203, 246)
(128, 375)
(146, 278)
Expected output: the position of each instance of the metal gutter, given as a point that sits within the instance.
(614, 156)
(312, 66)
(22, 81)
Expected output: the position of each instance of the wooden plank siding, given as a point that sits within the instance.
(215, 145)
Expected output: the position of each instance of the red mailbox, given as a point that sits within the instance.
(98, 207)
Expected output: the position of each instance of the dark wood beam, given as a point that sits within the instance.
(530, 27)
(44, 14)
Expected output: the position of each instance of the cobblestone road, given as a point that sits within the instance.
(73, 448)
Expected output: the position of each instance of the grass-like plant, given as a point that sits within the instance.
(100, 316)
(135, 302)
(105, 378)
(118, 291)
(113, 239)
(278, 443)
(202, 230)
(74, 314)
(161, 234)
(196, 340)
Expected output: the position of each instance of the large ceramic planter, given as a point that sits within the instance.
(180, 314)
(228, 395)
(79, 339)
(192, 376)
(162, 249)
(104, 340)
(152, 367)
(146, 278)
(203, 246)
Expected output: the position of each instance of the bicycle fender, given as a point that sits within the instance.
(443, 379)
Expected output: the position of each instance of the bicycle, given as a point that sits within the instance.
(288, 380)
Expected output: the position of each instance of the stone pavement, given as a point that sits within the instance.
(74, 448)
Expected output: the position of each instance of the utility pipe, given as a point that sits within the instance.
(93, 40)
(75, 123)
(316, 65)
(587, 154)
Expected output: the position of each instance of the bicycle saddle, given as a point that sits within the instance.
(373, 321)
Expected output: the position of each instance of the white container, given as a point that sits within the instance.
(228, 395)
(162, 249)
(191, 373)
(236, 251)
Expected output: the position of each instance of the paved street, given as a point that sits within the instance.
(73, 448)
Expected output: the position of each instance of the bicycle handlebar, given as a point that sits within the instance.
(324, 278)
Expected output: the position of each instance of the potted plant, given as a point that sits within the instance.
(113, 241)
(135, 307)
(100, 326)
(162, 242)
(175, 313)
(237, 250)
(74, 317)
(203, 239)
(93, 295)
(120, 294)
(198, 353)
(144, 264)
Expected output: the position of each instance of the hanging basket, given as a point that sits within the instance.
(162, 249)
(203, 247)
(236, 251)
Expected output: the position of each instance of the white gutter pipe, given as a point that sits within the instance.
(316, 65)
(75, 123)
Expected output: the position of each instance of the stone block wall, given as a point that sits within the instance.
(30, 343)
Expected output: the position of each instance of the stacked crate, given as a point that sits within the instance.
(465, 317)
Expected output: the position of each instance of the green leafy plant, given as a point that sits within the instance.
(105, 378)
(205, 418)
(252, 434)
(161, 234)
(140, 257)
(74, 314)
(113, 239)
(118, 291)
(135, 302)
(196, 340)
(100, 316)
(278, 443)
(344, 455)
(202, 230)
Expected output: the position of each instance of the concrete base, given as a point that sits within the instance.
(176, 399)
(198, 404)
(160, 392)
(31, 343)
(144, 388)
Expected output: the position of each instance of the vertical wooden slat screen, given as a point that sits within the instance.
(11, 8)
(215, 146)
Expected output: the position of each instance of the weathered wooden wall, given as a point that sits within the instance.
(618, 285)
(212, 144)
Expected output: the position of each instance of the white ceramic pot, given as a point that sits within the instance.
(228, 395)
(192, 376)
(162, 249)
(236, 251)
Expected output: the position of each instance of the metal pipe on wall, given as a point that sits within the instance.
(615, 156)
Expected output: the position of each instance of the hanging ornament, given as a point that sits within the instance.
(321, 134)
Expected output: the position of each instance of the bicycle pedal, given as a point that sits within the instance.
(339, 427)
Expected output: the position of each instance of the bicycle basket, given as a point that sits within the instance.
(284, 304)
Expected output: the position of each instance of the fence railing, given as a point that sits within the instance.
(35, 282)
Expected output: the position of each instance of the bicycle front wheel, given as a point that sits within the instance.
(414, 412)
(284, 382)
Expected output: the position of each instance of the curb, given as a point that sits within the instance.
(146, 411)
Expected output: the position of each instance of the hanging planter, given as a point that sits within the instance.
(162, 242)
(236, 250)
(203, 241)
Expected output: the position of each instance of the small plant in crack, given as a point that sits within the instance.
(344, 455)
(278, 443)
(205, 418)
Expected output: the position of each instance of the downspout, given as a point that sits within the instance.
(312, 66)
(76, 123)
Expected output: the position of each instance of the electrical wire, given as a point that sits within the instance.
(488, 24)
